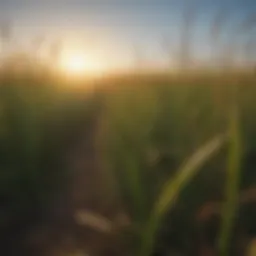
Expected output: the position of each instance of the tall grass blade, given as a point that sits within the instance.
(188, 22)
(174, 186)
(216, 30)
(237, 32)
(232, 183)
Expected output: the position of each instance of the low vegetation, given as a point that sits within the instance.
(161, 164)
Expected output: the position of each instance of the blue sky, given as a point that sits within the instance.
(119, 25)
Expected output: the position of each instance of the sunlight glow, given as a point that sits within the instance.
(80, 65)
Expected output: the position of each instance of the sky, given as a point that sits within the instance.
(124, 30)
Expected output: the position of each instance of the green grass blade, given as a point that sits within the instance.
(133, 180)
(232, 185)
(174, 186)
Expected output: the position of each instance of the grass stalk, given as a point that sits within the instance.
(232, 182)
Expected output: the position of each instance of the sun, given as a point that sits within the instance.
(76, 64)
(80, 65)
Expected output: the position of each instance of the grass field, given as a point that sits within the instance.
(154, 164)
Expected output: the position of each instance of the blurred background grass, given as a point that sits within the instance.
(143, 163)
(112, 151)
